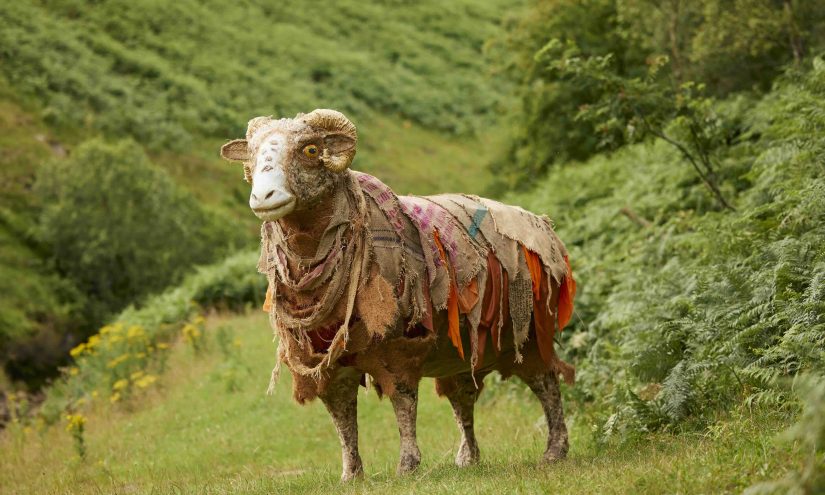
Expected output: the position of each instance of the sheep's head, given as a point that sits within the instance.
(293, 163)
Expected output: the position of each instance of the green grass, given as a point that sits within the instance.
(190, 434)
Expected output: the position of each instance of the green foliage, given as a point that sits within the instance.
(181, 79)
(545, 130)
(730, 47)
(685, 310)
(630, 109)
(135, 340)
(164, 73)
(120, 228)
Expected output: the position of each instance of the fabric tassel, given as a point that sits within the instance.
(453, 330)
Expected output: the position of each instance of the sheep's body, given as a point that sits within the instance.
(366, 286)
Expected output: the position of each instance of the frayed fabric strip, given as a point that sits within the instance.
(385, 257)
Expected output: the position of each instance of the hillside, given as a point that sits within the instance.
(678, 147)
(684, 370)
(180, 79)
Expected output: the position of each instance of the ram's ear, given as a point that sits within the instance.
(235, 151)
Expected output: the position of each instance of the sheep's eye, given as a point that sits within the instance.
(311, 151)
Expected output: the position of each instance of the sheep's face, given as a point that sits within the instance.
(293, 164)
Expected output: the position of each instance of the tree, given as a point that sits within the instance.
(118, 226)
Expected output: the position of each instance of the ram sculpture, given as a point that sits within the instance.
(367, 287)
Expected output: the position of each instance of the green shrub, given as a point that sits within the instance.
(729, 47)
(685, 310)
(119, 227)
(126, 353)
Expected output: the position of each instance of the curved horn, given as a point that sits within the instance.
(340, 140)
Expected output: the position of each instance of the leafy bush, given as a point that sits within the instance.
(120, 228)
(729, 47)
(128, 354)
(685, 310)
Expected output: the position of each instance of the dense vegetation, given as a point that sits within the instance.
(176, 80)
(703, 307)
(678, 146)
(120, 228)
(162, 72)
(728, 47)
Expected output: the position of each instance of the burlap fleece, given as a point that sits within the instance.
(385, 258)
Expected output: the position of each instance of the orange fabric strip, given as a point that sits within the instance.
(468, 297)
(567, 292)
(536, 269)
(542, 318)
(453, 329)
(268, 301)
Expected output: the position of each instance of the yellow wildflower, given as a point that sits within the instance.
(120, 384)
(73, 371)
(135, 332)
(75, 422)
(237, 343)
(140, 355)
(115, 397)
(77, 351)
(137, 374)
(116, 361)
(191, 333)
(93, 342)
(163, 345)
(146, 381)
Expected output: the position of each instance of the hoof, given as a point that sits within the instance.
(467, 456)
(353, 472)
(408, 464)
(553, 456)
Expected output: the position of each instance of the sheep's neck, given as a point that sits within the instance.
(305, 227)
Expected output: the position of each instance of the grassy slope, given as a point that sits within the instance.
(181, 79)
(190, 435)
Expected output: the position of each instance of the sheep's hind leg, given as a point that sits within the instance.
(405, 403)
(341, 400)
(462, 393)
(546, 388)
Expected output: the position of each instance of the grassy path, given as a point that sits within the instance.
(192, 434)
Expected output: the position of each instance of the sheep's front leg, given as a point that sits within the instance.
(405, 404)
(341, 400)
